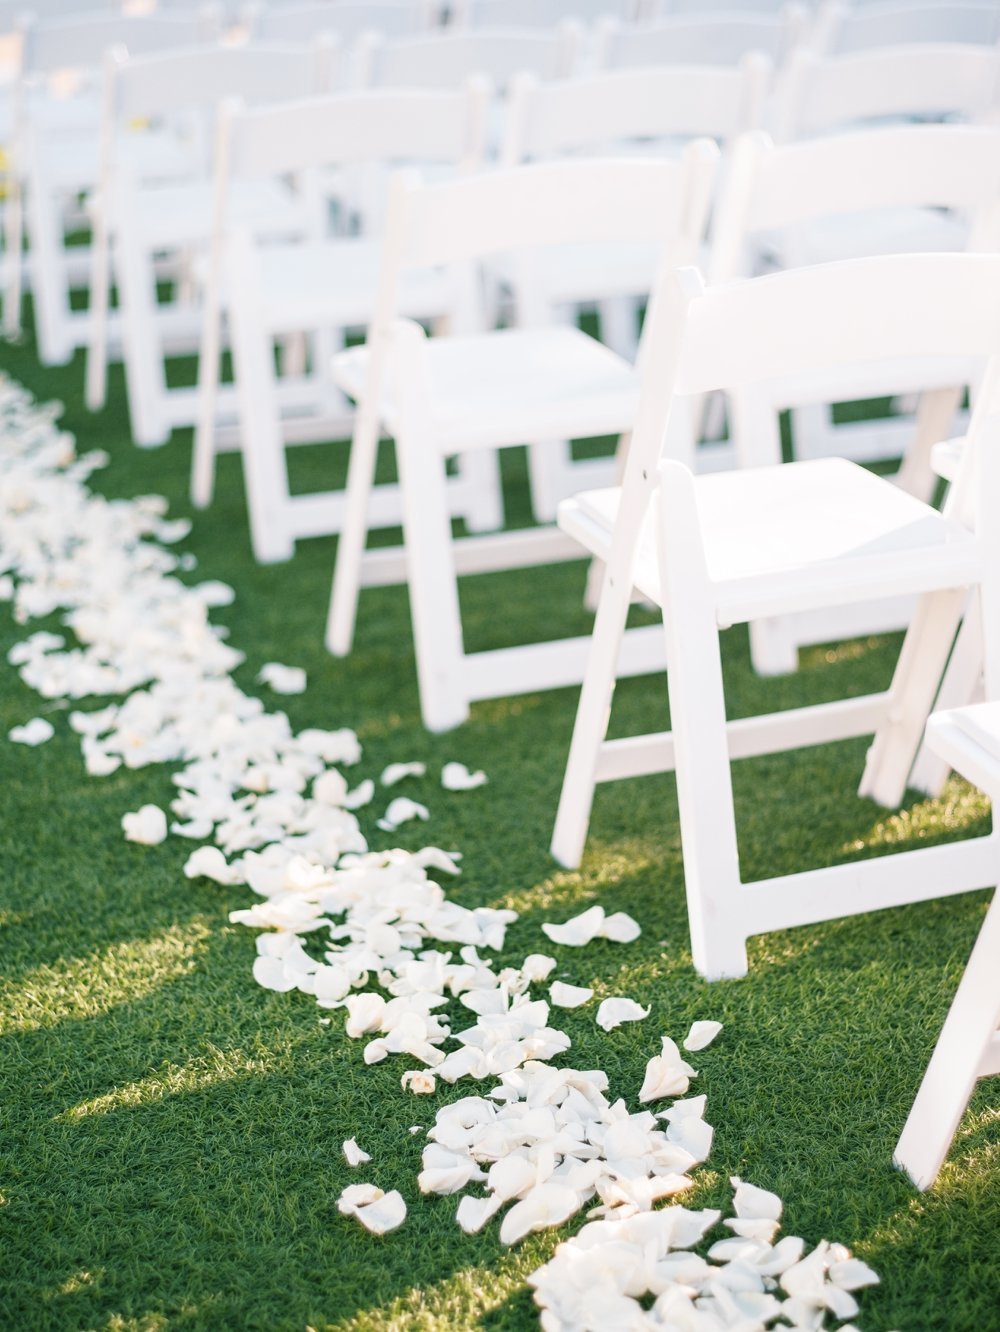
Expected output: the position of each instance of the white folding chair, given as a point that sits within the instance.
(913, 187)
(345, 20)
(655, 109)
(817, 94)
(838, 28)
(138, 217)
(442, 396)
(968, 1048)
(55, 155)
(323, 287)
(699, 39)
(536, 13)
(447, 59)
(730, 547)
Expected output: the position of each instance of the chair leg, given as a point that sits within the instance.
(774, 649)
(701, 751)
(13, 222)
(590, 728)
(484, 507)
(265, 474)
(548, 466)
(203, 453)
(346, 585)
(969, 1032)
(936, 412)
(620, 325)
(959, 687)
(915, 683)
(49, 289)
(433, 584)
(97, 332)
(145, 381)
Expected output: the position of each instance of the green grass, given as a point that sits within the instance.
(170, 1134)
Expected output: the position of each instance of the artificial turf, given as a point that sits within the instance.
(170, 1133)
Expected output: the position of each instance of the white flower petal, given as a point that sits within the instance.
(353, 1154)
(613, 1012)
(569, 996)
(208, 862)
(148, 825)
(419, 1081)
(620, 928)
(546, 1205)
(395, 772)
(578, 930)
(753, 1203)
(702, 1034)
(282, 679)
(473, 1213)
(457, 777)
(400, 811)
(34, 732)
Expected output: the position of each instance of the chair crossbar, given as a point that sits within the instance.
(535, 666)
(748, 737)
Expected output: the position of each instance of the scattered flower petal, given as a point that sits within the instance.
(353, 1154)
(282, 679)
(569, 996)
(702, 1034)
(148, 825)
(34, 732)
(457, 777)
(613, 1012)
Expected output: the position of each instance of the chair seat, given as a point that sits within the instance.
(179, 214)
(781, 539)
(515, 386)
(312, 285)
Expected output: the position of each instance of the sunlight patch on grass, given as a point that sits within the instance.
(459, 1301)
(172, 1080)
(605, 865)
(955, 811)
(85, 987)
(827, 654)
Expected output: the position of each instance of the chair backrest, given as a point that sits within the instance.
(607, 111)
(198, 78)
(769, 189)
(552, 203)
(815, 94)
(822, 323)
(80, 41)
(344, 19)
(448, 59)
(840, 28)
(709, 39)
(340, 129)
(534, 13)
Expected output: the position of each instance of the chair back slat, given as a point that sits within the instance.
(448, 59)
(546, 119)
(808, 320)
(80, 41)
(816, 94)
(199, 78)
(380, 125)
(553, 203)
